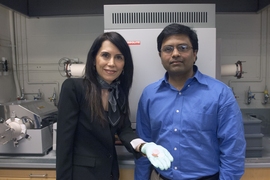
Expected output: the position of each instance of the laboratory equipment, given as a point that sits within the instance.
(26, 127)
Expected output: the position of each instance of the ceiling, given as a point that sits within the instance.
(43, 8)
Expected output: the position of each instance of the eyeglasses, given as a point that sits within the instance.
(181, 48)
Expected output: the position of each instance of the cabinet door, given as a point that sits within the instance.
(126, 174)
(38, 174)
(1, 178)
(256, 174)
(48, 174)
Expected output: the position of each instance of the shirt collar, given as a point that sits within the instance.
(197, 76)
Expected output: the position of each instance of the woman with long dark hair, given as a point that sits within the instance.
(93, 109)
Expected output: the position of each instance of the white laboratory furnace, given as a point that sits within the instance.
(141, 24)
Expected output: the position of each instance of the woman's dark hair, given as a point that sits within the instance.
(175, 29)
(93, 92)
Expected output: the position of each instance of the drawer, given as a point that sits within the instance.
(28, 173)
(254, 140)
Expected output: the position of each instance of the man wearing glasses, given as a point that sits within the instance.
(194, 116)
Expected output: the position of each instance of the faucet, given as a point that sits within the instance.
(53, 98)
(22, 96)
(38, 97)
(250, 96)
(266, 96)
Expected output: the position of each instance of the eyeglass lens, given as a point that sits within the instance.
(181, 48)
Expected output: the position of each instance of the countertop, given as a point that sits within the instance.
(126, 160)
(48, 161)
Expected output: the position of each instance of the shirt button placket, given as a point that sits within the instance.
(175, 130)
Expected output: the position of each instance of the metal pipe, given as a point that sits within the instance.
(14, 57)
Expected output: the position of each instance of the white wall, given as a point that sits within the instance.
(42, 42)
(245, 37)
(7, 86)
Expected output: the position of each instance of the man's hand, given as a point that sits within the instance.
(157, 155)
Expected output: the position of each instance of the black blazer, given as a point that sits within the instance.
(85, 149)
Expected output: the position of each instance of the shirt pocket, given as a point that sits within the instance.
(200, 122)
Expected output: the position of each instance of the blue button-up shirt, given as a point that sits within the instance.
(200, 125)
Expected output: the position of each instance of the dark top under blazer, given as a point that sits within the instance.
(85, 149)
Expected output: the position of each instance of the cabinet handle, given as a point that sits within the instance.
(37, 175)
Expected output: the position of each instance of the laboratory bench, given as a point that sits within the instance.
(43, 167)
(24, 167)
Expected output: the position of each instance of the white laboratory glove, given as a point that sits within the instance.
(157, 155)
